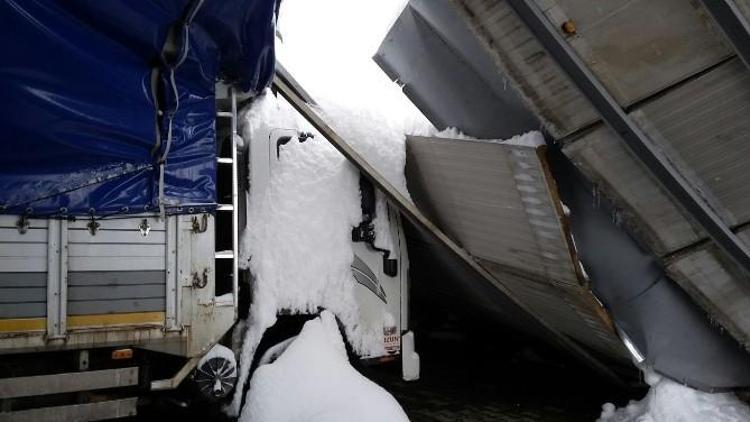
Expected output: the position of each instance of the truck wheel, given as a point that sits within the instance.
(216, 374)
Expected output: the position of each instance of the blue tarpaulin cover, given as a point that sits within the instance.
(80, 130)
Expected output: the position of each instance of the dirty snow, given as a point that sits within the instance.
(668, 401)
(291, 389)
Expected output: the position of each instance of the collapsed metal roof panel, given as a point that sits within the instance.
(615, 40)
(500, 203)
(664, 323)
(546, 90)
(692, 113)
(494, 200)
(703, 126)
(444, 243)
(450, 58)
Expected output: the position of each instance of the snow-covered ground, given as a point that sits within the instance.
(312, 381)
(668, 401)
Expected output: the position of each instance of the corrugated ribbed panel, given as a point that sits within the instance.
(648, 211)
(639, 47)
(707, 276)
(627, 45)
(703, 127)
(670, 64)
(520, 57)
(117, 269)
(572, 309)
(499, 203)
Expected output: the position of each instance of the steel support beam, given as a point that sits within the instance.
(634, 138)
(734, 25)
(408, 209)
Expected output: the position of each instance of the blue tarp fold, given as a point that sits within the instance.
(78, 115)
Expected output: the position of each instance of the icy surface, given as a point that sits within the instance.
(312, 381)
(668, 401)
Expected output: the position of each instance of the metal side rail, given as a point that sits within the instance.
(284, 87)
(71, 382)
(108, 409)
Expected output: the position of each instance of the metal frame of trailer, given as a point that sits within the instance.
(159, 285)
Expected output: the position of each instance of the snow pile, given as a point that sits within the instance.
(381, 141)
(668, 401)
(298, 242)
(530, 139)
(313, 381)
(218, 351)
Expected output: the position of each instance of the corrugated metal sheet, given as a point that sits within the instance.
(499, 202)
(639, 47)
(669, 62)
(717, 286)
(546, 91)
(647, 210)
(630, 47)
(703, 127)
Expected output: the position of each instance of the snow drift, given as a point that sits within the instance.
(298, 244)
(668, 401)
(312, 381)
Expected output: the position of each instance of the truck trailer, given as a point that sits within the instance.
(123, 196)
